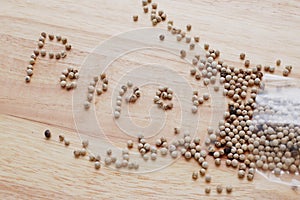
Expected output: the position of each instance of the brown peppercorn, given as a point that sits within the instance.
(145, 8)
(188, 27)
(67, 142)
(51, 55)
(68, 47)
(61, 138)
(102, 76)
(135, 18)
(40, 44)
(64, 40)
(163, 17)
(105, 81)
(242, 56)
(154, 5)
(144, 2)
(43, 34)
(206, 46)
(278, 62)
(247, 63)
(195, 175)
(58, 38)
(63, 54)
(207, 190)
(76, 153)
(51, 36)
(36, 52)
(43, 53)
(57, 56)
(42, 39)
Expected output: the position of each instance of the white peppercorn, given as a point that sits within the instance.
(228, 188)
(27, 79)
(76, 153)
(241, 173)
(99, 91)
(204, 165)
(195, 175)
(217, 161)
(163, 151)
(205, 96)
(153, 156)
(219, 188)
(208, 178)
(194, 109)
(97, 165)
(174, 154)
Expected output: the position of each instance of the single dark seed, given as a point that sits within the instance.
(232, 111)
(227, 150)
(47, 134)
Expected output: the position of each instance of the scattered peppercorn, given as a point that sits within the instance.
(47, 134)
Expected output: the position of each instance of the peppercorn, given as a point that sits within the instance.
(229, 189)
(135, 18)
(85, 143)
(51, 36)
(57, 56)
(242, 56)
(61, 138)
(40, 44)
(67, 142)
(207, 190)
(161, 37)
(208, 178)
(188, 27)
(97, 165)
(195, 175)
(219, 188)
(47, 134)
(183, 53)
(206, 46)
(247, 63)
(278, 62)
(154, 5)
(76, 153)
(51, 55)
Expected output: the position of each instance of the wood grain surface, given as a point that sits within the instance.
(34, 168)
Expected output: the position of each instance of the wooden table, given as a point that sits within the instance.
(35, 168)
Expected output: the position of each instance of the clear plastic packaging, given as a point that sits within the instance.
(276, 124)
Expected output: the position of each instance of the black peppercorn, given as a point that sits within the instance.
(223, 74)
(232, 111)
(47, 134)
(227, 150)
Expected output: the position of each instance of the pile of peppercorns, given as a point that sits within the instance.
(243, 140)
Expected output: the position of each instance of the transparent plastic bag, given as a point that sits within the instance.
(276, 123)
